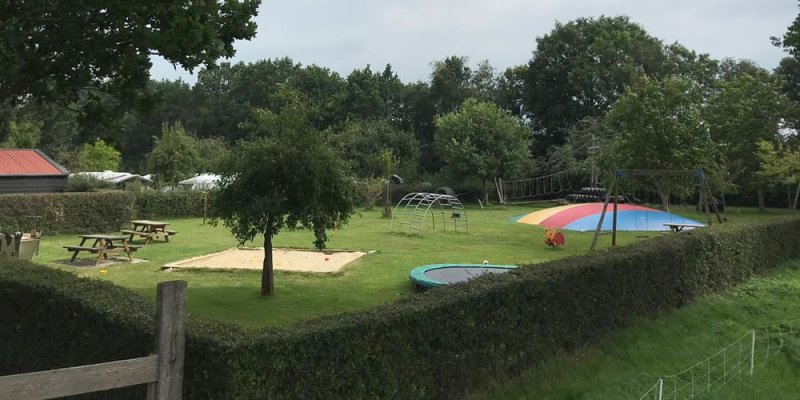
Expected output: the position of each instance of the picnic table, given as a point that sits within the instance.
(149, 230)
(103, 245)
(679, 227)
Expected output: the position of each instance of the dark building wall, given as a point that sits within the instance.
(32, 184)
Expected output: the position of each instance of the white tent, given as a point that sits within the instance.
(200, 182)
(115, 177)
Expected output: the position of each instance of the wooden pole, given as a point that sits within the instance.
(205, 206)
(603, 214)
(169, 341)
(614, 220)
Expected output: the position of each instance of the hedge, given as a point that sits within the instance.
(175, 204)
(442, 343)
(66, 212)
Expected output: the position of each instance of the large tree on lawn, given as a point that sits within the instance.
(286, 176)
(483, 141)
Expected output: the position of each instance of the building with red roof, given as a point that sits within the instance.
(30, 171)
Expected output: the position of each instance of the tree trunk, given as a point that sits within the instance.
(387, 201)
(796, 195)
(761, 206)
(267, 282)
(664, 200)
(485, 192)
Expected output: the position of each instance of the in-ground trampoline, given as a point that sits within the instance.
(435, 275)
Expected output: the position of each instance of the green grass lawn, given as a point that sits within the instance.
(376, 278)
(630, 360)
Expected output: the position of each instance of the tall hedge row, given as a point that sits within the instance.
(66, 212)
(438, 344)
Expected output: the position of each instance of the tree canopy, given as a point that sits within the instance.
(581, 68)
(659, 125)
(747, 108)
(56, 50)
(481, 140)
(98, 157)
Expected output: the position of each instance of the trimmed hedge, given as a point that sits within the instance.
(442, 343)
(66, 212)
(174, 204)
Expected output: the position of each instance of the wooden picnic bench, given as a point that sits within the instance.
(679, 227)
(149, 230)
(103, 246)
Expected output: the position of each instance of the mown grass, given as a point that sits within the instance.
(376, 278)
(630, 360)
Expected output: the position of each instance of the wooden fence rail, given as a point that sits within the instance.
(162, 372)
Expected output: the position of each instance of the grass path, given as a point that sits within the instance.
(630, 360)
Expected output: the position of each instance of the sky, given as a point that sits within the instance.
(410, 34)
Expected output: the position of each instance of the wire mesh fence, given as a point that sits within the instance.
(738, 359)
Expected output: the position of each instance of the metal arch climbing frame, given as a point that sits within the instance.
(412, 210)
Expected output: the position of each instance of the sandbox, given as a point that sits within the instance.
(282, 260)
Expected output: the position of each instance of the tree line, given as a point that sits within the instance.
(649, 105)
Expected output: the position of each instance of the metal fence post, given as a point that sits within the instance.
(660, 388)
(753, 352)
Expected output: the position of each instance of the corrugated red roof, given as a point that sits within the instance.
(26, 162)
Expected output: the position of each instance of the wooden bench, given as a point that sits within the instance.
(105, 248)
(147, 235)
(78, 249)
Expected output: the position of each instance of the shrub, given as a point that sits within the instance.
(85, 183)
(438, 344)
(66, 212)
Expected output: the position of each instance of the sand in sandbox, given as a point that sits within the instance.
(282, 260)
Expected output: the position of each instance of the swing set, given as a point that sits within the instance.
(707, 200)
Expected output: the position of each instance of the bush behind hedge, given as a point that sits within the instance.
(439, 344)
(151, 204)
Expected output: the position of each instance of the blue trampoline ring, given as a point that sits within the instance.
(435, 275)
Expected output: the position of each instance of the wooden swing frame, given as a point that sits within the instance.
(702, 185)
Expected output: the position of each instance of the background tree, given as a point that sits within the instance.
(46, 50)
(417, 112)
(484, 82)
(285, 178)
(511, 90)
(174, 156)
(450, 83)
(780, 164)
(659, 125)
(483, 141)
(326, 92)
(173, 101)
(23, 134)
(361, 142)
(98, 157)
(747, 108)
(581, 68)
(211, 152)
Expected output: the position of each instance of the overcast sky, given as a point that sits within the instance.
(409, 34)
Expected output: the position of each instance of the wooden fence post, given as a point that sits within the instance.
(169, 341)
